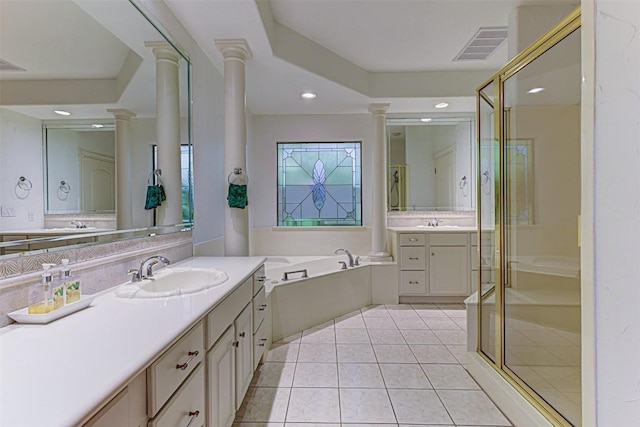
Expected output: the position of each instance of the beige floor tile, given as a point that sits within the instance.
(394, 353)
(350, 322)
(452, 337)
(437, 323)
(317, 353)
(295, 338)
(459, 352)
(420, 336)
(314, 405)
(432, 353)
(273, 374)
(319, 336)
(449, 377)
(535, 356)
(360, 375)
(283, 353)
(352, 336)
(380, 323)
(403, 314)
(404, 375)
(375, 311)
(410, 323)
(418, 407)
(472, 408)
(354, 353)
(258, 425)
(564, 379)
(386, 336)
(366, 406)
(262, 404)
(316, 375)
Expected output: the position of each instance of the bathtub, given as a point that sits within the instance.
(328, 292)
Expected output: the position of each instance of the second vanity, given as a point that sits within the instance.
(435, 264)
(183, 360)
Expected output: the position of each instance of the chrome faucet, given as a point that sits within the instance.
(434, 222)
(349, 256)
(78, 224)
(146, 267)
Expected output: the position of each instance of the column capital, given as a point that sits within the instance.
(121, 113)
(234, 48)
(164, 50)
(378, 108)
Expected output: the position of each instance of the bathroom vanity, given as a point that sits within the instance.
(435, 264)
(138, 362)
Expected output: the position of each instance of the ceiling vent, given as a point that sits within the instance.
(483, 43)
(8, 66)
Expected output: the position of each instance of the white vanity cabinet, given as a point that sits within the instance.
(221, 378)
(127, 408)
(433, 265)
(243, 326)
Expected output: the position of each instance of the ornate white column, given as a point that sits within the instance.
(379, 186)
(124, 199)
(236, 221)
(168, 131)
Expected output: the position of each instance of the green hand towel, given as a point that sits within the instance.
(154, 197)
(237, 196)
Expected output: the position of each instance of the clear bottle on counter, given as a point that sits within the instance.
(40, 295)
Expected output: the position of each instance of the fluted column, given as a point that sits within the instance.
(236, 221)
(168, 131)
(379, 186)
(124, 198)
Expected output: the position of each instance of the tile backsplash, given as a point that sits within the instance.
(414, 218)
(98, 266)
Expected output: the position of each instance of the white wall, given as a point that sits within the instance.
(208, 129)
(616, 215)
(262, 170)
(419, 148)
(21, 155)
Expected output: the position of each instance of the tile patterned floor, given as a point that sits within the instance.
(393, 365)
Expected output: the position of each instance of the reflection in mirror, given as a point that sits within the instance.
(80, 168)
(101, 70)
(430, 164)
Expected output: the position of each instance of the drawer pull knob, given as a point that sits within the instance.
(411, 282)
(262, 278)
(413, 239)
(413, 258)
(261, 344)
(236, 344)
(263, 339)
(262, 307)
(192, 355)
(242, 334)
(433, 254)
(193, 415)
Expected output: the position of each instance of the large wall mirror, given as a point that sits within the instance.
(430, 164)
(89, 59)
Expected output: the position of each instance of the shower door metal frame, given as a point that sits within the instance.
(563, 29)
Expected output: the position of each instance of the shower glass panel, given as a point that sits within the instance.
(541, 174)
(488, 179)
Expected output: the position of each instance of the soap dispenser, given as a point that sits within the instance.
(71, 284)
(40, 296)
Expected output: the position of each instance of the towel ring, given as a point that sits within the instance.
(24, 184)
(63, 191)
(486, 189)
(237, 177)
(156, 173)
(462, 183)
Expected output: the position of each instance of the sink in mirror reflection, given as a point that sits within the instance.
(174, 281)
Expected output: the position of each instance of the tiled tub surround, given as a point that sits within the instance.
(99, 349)
(98, 266)
(389, 365)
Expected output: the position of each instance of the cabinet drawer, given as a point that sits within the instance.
(169, 370)
(258, 279)
(448, 239)
(413, 239)
(259, 309)
(259, 345)
(224, 314)
(186, 405)
(413, 283)
(412, 258)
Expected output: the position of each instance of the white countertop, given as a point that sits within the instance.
(55, 374)
(54, 231)
(438, 229)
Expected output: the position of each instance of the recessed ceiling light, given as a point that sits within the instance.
(426, 120)
(535, 90)
(62, 112)
(308, 95)
(97, 126)
(442, 105)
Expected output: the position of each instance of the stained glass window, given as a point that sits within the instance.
(319, 184)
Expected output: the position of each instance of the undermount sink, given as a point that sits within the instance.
(174, 281)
